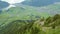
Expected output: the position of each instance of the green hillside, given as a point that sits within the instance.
(28, 13)
(23, 18)
(23, 27)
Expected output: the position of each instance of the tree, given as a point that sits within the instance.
(53, 21)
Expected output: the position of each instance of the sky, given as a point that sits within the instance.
(13, 1)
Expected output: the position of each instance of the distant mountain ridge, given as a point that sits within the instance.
(39, 3)
(3, 4)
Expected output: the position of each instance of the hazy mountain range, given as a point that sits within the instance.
(39, 3)
(3, 4)
(39, 8)
(34, 3)
(44, 6)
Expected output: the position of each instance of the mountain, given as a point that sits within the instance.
(53, 21)
(46, 10)
(39, 3)
(3, 4)
(28, 13)
(12, 20)
(50, 9)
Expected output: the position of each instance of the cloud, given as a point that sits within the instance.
(57, 3)
(13, 1)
